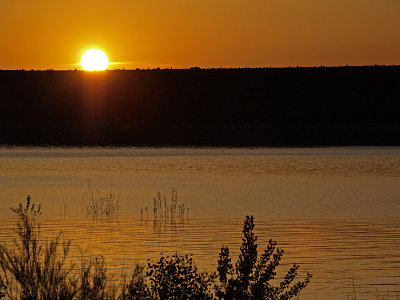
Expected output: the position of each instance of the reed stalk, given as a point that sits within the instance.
(96, 205)
(164, 210)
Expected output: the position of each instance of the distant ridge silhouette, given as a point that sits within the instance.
(320, 106)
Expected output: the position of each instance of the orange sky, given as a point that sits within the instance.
(43, 34)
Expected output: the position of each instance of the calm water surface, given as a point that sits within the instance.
(335, 211)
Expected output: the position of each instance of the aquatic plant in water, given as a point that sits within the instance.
(164, 210)
(99, 206)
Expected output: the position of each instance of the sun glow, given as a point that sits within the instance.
(94, 60)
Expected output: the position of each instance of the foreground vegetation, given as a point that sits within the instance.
(32, 269)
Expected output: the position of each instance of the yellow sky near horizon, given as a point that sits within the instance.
(44, 34)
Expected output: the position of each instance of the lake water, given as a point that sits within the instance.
(335, 211)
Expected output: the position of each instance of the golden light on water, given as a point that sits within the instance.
(94, 60)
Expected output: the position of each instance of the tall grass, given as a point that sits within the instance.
(164, 210)
(98, 205)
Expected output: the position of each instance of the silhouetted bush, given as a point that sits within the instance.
(177, 277)
(94, 281)
(38, 270)
(252, 277)
(34, 269)
(137, 287)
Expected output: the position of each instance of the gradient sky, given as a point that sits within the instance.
(43, 34)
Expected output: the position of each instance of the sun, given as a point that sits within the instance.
(94, 60)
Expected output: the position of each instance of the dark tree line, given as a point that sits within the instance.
(243, 107)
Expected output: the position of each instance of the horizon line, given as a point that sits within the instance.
(200, 68)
